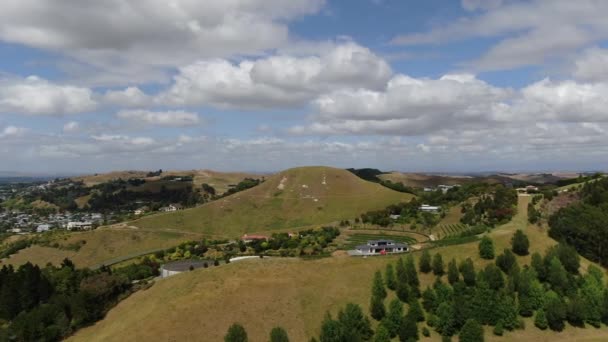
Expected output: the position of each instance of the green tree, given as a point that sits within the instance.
(382, 334)
(498, 329)
(412, 275)
(236, 333)
(391, 282)
(557, 276)
(576, 312)
(555, 310)
(278, 334)
(403, 291)
(530, 292)
(453, 274)
(506, 260)
(415, 310)
(378, 289)
(438, 268)
(408, 329)
(471, 331)
(520, 243)
(486, 248)
(467, 269)
(446, 324)
(392, 321)
(539, 266)
(377, 309)
(605, 307)
(507, 312)
(429, 300)
(355, 324)
(493, 276)
(331, 330)
(425, 262)
(540, 321)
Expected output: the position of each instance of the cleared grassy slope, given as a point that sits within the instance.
(102, 247)
(293, 198)
(292, 293)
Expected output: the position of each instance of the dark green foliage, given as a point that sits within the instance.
(412, 275)
(403, 292)
(236, 333)
(605, 307)
(382, 334)
(534, 215)
(567, 256)
(493, 276)
(539, 266)
(376, 308)
(467, 269)
(520, 243)
(540, 321)
(331, 330)
(576, 311)
(507, 312)
(438, 268)
(278, 334)
(498, 329)
(378, 289)
(506, 260)
(530, 293)
(391, 282)
(429, 300)
(592, 295)
(555, 311)
(415, 310)
(557, 275)
(392, 321)
(583, 225)
(485, 304)
(486, 248)
(426, 332)
(408, 329)
(471, 331)
(446, 324)
(453, 274)
(355, 325)
(425, 262)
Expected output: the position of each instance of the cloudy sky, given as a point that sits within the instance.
(262, 85)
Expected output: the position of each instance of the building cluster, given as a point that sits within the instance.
(20, 222)
(442, 187)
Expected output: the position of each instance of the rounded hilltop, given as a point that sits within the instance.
(293, 198)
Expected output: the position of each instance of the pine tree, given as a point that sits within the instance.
(605, 307)
(236, 333)
(485, 304)
(498, 329)
(378, 289)
(575, 312)
(520, 243)
(429, 300)
(507, 312)
(446, 325)
(391, 282)
(555, 310)
(415, 310)
(453, 274)
(408, 329)
(278, 334)
(506, 260)
(438, 268)
(539, 266)
(471, 331)
(467, 269)
(425, 262)
(377, 309)
(557, 276)
(392, 321)
(412, 275)
(486, 248)
(354, 323)
(382, 334)
(494, 277)
(540, 321)
(403, 292)
(400, 271)
(331, 330)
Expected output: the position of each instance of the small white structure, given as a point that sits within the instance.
(429, 208)
(177, 267)
(171, 207)
(380, 247)
(394, 217)
(15, 230)
(43, 228)
(79, 225)
(446, 188)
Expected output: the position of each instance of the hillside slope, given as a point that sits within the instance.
(292, 198)
(291, 293)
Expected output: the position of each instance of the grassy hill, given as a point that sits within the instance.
(293, 198)
(292, 293)
(101, 246)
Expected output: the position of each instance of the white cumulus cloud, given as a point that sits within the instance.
(167, 118)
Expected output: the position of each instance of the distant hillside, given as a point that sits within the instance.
(292, 198)
(221, 181)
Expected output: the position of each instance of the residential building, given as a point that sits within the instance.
(380, 247)
(429, 208)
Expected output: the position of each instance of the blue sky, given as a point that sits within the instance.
(264, 85)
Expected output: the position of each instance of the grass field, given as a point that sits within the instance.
(294, 198)
(292, 293)
(451, 230)
(103, 246)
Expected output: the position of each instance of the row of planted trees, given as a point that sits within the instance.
(463, 299)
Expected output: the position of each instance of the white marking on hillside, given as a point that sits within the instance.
(324, 182)
(304, 186)
(281, 185)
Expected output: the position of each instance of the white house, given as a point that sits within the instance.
(171, 207)
(380, 247)
(43, 228)
(394, 217)
(429, 208)
(79, 226)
